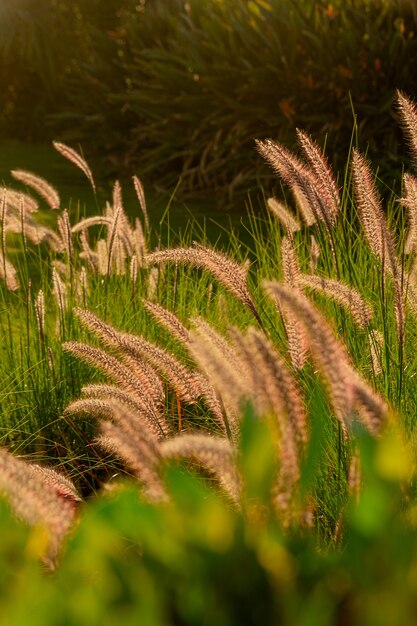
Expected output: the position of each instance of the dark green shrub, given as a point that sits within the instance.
(182, 88)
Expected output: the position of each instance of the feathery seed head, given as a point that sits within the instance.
(229, 273)
(14, 199)
(215, 453)
(343, 294)
(137, 447)
(294, 173)
(40, 185)
(347, 388)
(168, 319)
(40, 314)
(65, 232)
(372, 215)
(408, 114)
(60, 291)
(410, 202)
(102, 257)
(95, 220)
(133, 269)
(141, 197)
(290, 265)
(314, 254)
(8, 273)
(326, 185)
(76, 159)
(283, 215)
(39, 496)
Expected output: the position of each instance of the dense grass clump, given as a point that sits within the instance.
(241, 422)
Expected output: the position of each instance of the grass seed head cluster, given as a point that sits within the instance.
(186, 398)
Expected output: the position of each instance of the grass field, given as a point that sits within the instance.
(238, 416)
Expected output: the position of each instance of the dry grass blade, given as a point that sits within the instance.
(75, 158)
(40, 185)
(226, 270)
(214, 453)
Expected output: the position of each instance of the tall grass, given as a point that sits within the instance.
(280, 373)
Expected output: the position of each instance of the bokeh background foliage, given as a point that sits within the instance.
(182, 88)
(198, 561)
